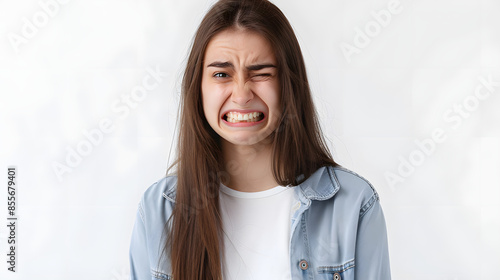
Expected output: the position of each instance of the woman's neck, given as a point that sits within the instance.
(249, 167)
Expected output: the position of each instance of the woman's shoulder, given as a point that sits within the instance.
(158, 198)
(355, 187)
(163, 187)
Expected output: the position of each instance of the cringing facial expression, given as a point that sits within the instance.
(240, 87)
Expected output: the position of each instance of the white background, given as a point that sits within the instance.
(68, 71)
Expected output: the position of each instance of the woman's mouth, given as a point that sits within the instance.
(250, 117)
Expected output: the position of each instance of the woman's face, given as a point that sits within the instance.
(240, 87)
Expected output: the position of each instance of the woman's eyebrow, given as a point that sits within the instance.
(228, 64)
(220, 64)
(260, 66)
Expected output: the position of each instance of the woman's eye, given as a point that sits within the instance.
(262, 76)
(221, 75)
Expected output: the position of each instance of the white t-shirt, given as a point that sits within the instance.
(256, 233)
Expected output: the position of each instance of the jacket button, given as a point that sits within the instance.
(336, 276)
(303, 265)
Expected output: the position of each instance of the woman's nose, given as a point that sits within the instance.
(242, 94)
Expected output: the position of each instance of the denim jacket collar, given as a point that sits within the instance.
(321, 185)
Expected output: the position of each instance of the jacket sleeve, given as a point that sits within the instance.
(372, 254)
(138, 253)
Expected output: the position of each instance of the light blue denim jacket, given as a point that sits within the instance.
(337, 230)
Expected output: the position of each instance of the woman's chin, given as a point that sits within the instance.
(246, 138)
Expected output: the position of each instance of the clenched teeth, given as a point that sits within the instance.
(235, 117)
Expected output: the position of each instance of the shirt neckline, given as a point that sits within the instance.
(261, 194)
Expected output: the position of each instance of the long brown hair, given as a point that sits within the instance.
(194, 229)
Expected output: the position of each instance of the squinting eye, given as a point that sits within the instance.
(261, 77)
(221, 75)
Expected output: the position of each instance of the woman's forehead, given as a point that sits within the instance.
(239, 44)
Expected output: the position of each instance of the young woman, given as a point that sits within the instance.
(256, 193)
